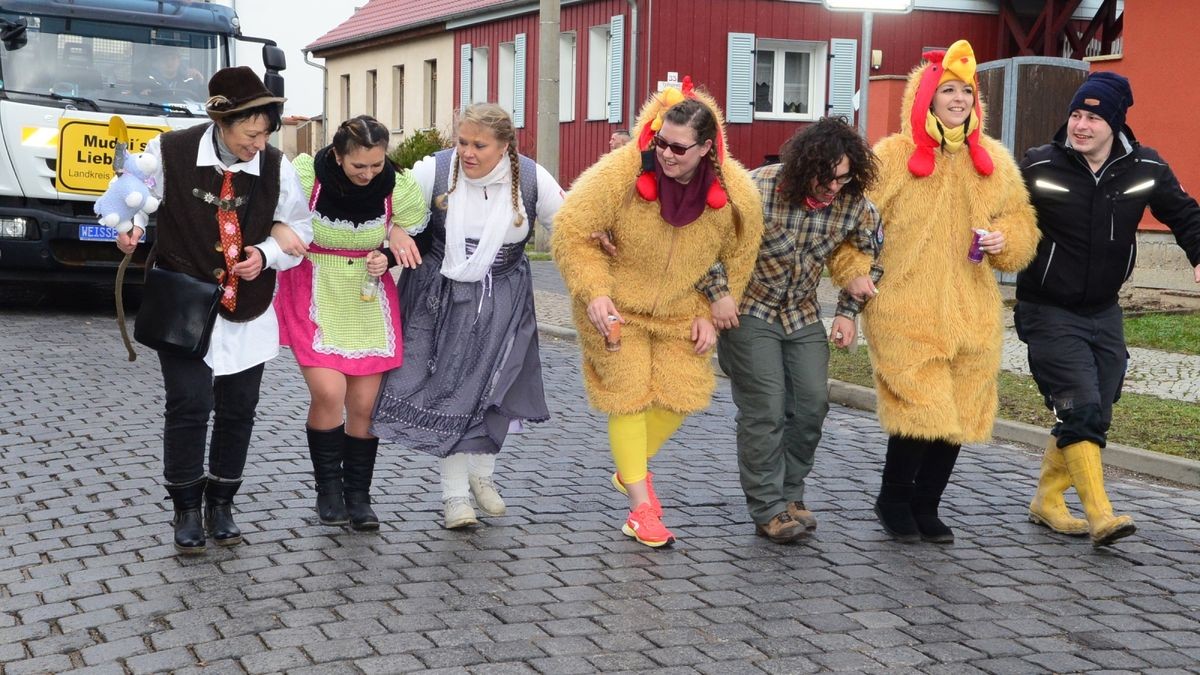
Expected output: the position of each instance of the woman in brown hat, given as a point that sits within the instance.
(222, 188)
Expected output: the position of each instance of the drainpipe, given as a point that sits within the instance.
(649, 39)
(324, 96)
(633, 38)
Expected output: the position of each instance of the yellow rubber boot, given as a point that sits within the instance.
(1087, 473)
(1048, 506)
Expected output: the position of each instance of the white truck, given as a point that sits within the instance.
(68, 66)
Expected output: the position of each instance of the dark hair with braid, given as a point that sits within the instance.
(693, 113)
(814, 152)
(363, 131)
(495, 119)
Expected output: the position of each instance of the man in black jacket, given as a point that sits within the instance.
(1090, 187)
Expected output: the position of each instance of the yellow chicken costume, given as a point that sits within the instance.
(934, 330)
(656, 378)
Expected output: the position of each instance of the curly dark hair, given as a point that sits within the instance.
(814, 153)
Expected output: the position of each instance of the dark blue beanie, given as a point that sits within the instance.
(1106, 94)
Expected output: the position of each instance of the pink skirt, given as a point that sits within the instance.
(325, 322)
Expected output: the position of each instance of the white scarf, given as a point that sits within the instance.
(487, 199)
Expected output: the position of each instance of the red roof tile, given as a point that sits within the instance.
(383, 17)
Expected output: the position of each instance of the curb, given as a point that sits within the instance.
(1137, 460)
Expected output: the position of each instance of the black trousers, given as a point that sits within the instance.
(1078, 362)
(193, 395)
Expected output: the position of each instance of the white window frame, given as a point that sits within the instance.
(567, 50)
(506, 76)
(818, 65)
(599, 51)
(479, 75)
(373, 93)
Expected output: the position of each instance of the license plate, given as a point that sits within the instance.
(97, 232)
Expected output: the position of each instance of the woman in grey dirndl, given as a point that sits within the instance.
(471, 368)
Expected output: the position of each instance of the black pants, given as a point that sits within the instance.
(193, 394)
(1078, 362)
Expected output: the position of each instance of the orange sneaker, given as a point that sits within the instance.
(645, 525)
(654, 503)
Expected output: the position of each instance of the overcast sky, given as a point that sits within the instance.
(293, 24)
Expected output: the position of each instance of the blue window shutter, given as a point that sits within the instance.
(616, 68)
(464, 72)
(739, 75)
(519, 81)
(843, 71)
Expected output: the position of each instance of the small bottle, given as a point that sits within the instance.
(370, 289)
(612, 342)
(975, 253)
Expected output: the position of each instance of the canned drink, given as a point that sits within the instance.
(975, 253)
(612, 342)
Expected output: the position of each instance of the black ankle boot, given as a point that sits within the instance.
(326, 448)
(893, 506)
(218, 511)
(188, 523)
(358, 468)
(931, 481)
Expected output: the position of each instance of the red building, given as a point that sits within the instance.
(772, 64)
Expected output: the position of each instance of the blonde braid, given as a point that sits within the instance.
(518, 208)
(737, 213)
(443, 199)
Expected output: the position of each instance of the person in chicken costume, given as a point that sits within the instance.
(675, 204)
(934, 330)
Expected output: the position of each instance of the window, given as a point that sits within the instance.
(372, 93)
(479, 75)
(398, 98)
(598, 93)
(345, 97)
(566, 77)
(505, 80)
(430, 93)
(789, 79)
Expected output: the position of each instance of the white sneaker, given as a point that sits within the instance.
(486, 495)
(459, 513)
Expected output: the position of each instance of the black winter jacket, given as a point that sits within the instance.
(1089, 222)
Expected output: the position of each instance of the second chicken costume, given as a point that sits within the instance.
(675, 203)
(934, 330)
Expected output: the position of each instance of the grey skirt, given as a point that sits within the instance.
(471, 360)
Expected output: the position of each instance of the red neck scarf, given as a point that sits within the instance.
(681, 204)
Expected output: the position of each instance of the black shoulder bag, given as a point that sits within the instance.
(178, 310)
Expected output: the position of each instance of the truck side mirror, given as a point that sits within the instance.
(12, 34)
(273, 82)
(274, 58)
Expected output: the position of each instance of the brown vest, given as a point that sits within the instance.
(187, 238)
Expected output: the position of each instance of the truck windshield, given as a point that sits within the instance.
(119, 67)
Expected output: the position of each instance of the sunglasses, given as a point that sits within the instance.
(676, 148)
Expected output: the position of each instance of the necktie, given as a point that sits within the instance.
(231, 242)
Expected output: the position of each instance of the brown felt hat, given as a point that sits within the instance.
(233, 90)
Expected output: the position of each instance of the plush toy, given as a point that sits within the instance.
(128, 201)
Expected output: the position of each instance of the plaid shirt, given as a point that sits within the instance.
(796, 244)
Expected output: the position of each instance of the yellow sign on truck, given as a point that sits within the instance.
(85, 153)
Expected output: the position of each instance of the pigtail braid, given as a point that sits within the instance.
(737, 212)
(443, 199)
(518, 208)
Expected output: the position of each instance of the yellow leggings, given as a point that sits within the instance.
(636, 438)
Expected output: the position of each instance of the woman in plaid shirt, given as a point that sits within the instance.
(773, 345)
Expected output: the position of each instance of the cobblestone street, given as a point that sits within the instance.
(89, 581)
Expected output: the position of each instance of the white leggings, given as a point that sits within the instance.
(457, 467)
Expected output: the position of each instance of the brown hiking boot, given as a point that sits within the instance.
(781, 529)
(802, 515)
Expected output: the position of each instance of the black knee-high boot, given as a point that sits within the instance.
(359, 467)
(188, 522)
(893, 506)
(326, 449)
(931, 481)
(218, 511)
